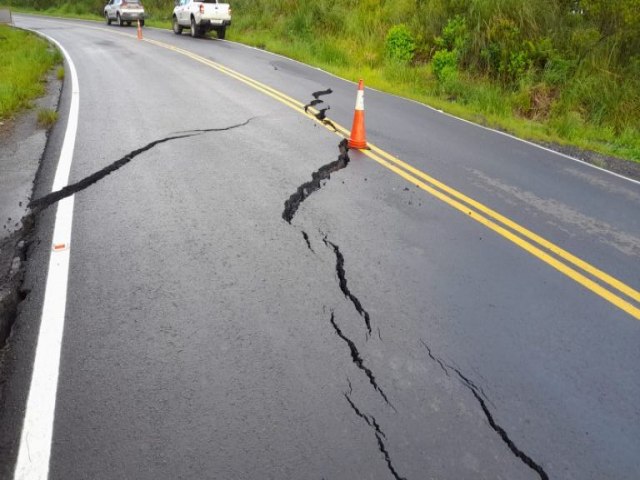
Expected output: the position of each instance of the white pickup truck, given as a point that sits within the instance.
(201, 17)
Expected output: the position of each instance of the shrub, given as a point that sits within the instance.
(443, 62)
(450, 83)
(506, 57)
(455, 35)
(399, 44)
(557, 71)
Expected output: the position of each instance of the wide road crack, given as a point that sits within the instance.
(357, 360)
(435, 359)
(302, 193)
(316, 101)
(369, 419)
(13, 249)
(342, 280)
(306, 189)
(46, 201)
(290, 208)
(321, 114)
(305, 235)
(380, 436)
(481, 397)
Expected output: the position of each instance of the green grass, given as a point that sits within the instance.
(60, 73)
(47, 117)
(25, 60)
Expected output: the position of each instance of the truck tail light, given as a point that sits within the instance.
(201, 8)
(229, 10)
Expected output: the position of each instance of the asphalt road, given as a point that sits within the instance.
(380, 334)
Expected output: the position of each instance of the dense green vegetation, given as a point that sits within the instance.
(564, 71)
(24, 60)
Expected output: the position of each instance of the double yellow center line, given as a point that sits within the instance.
(563, 261)
(609, 288)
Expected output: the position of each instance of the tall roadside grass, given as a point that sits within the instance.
(24, 61)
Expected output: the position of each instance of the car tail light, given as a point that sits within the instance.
(201, 8)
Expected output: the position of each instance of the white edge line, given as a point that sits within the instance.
(37, 430)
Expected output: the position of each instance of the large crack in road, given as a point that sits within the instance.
(305, 190)
(321, 115)
(342, 281)
(302, 193)
(291, 207)
(46, 201)
(358, 361)
(12, 275)
(481, 398)
(379, 434)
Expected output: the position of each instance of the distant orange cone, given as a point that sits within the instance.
(139, 31)
(358, 137)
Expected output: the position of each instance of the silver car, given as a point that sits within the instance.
(124, 12)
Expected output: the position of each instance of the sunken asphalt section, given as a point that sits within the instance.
(246, 300)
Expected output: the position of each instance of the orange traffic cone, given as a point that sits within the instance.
(139, 31)
(358, 137)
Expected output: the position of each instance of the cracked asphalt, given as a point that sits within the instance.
(248, 299)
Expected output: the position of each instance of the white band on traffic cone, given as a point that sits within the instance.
(360, 100)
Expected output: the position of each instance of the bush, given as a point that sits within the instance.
(399, 44)
(443, 62)
(455, 36)
(506, 57)
(557, 71)
(450, 83)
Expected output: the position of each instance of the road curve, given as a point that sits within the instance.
(245, 299)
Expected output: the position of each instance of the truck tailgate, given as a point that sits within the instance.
(216, 11)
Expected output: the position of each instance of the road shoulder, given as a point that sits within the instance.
(24, 143)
